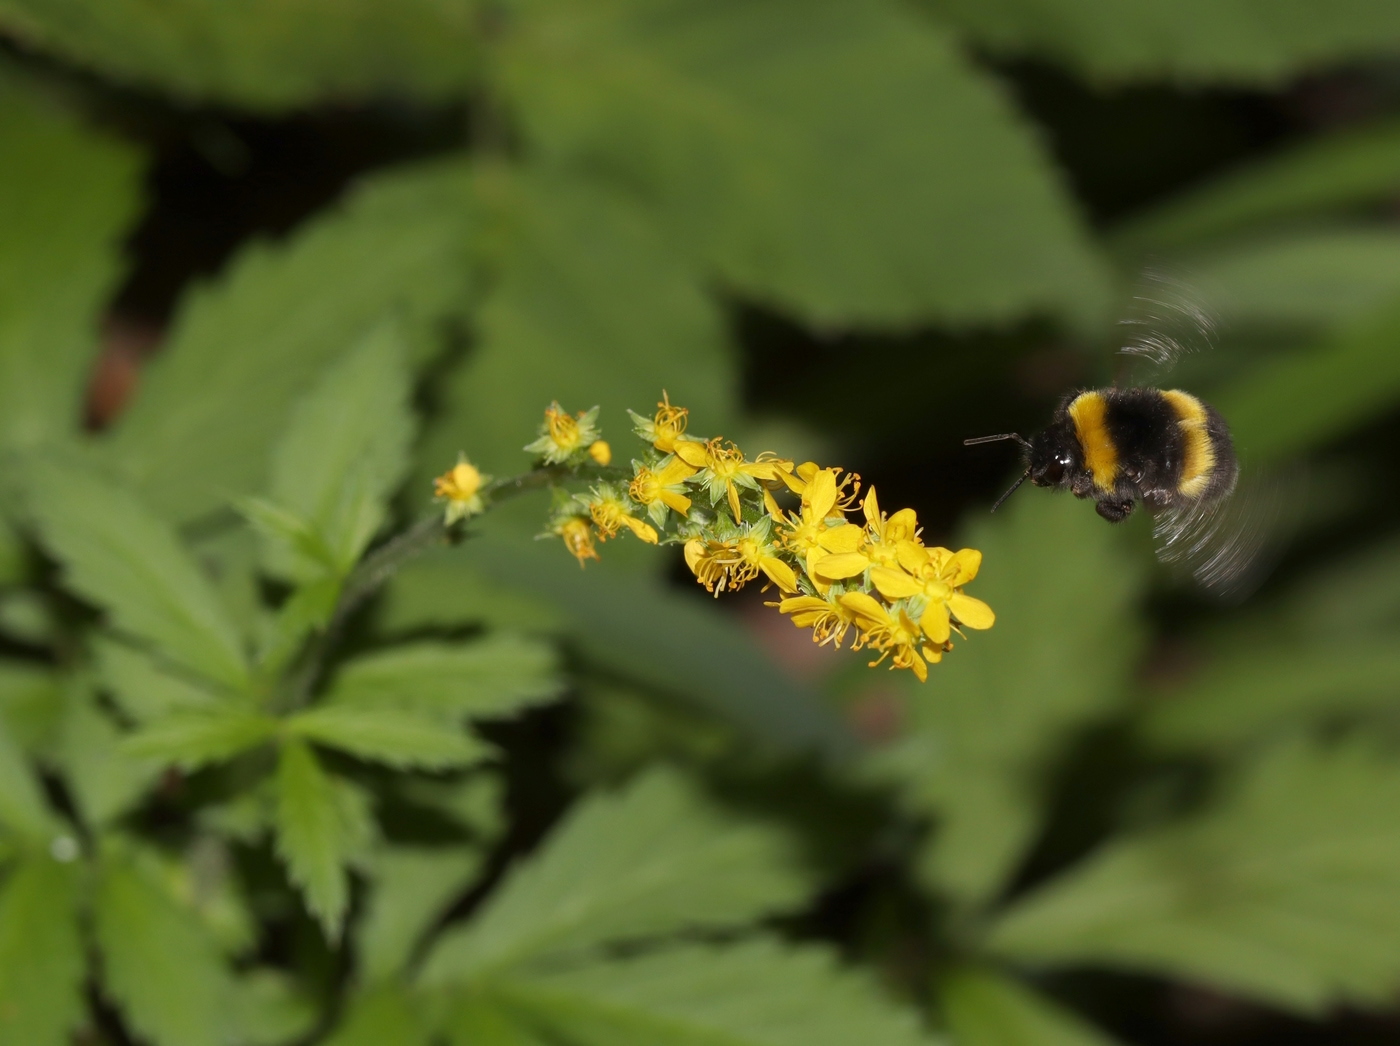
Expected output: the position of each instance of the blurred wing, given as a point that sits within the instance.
(1166, 320)
(1226, 545)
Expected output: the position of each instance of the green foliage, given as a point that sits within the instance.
(1207, 41)
(69, 195)
(105, 780)
(985, 1009)
(1284, 889)
(22, 808)
(652, 860)
(264, 55)
(389, 737)
(192, 739)
(413, 888)
(384, 1014)
(41, 955)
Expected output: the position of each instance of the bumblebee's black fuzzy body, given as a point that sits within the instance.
(1164, 447)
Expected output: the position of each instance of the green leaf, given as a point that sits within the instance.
(346, 447)
(31, 705)
(861, 171)
(121, 557)
(589, 306)
(192, 739)
(1245, 42)
(141, 687)
(321, 825)
(379, 1015)
(307, 610)
(476, 803)
(243, 350)
(758, 993)
(1304, 398)
(983, 1008)
(41, 954)
(414, 887)
(262, 54)
(69, 196)
(1063, 588)
(1285, 889)
(158, 964)
(270, 1010)
(1331, 175)
(484, 678)
(653, 859)
(390, 737)
(22, 806)
(105, 782)
(479, 1021)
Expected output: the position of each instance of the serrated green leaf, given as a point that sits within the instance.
(69, 195)
(653, 859)
(758, 993)
(484, 678)
(193, 739)
(1285, 889)
(983, 1008)
(413, 888)
(105, 782)
(346, 448)
(861, 172)
(1323, 176)
(22, 806)
(141, 688)
(117, 554)
(390, 737)
(263, 54)
(379, 1015)
(589, 306)
(321, 825)
(242, 350)
(41, 954)
(1063, 588)
(1251, 42)
(158, 964)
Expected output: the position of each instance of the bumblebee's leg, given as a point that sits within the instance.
(1114, 511)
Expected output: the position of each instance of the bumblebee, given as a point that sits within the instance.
(1118, 446)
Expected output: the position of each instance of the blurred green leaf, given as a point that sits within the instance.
(1306, 397)
(346, 448)
(1245, 42)
(653, 859)
(413, 888)
(158, 964)
(1340, 173)
(261, 54)
(1063, 587)
(41, 954)
(983, 1008)
(31, 706)
(140, 687)
(391, 737)
(476, 803)
(321, 825)
(130, 563)
(69, 195)
(486, 678)
(105, 782)
(1286, 889)
(244, 349)
(270, 1010)
(479, 1021)
(192, 739)
(758, 993)
(22, 806)
(589, 306)
(859, 172)
(379, 1015)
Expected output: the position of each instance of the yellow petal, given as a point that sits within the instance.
(871, 506)
(866, 607)
(912, 557)
(779, 573)
(679, 502)
(771, 504)
(933, 653)
(694, 549)
(807, 470)
(844, 538)
(820, 495)
(920, 669)
(894, 584)
(962, 566)
(674, 472)
(971, 612)
(645, 531)
(734, 503)
(692, 453)
(902, 525)
(935, 623)
(794, 604)
(842, 565)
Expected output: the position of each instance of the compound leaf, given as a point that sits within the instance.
(41, 954)
(390, 737)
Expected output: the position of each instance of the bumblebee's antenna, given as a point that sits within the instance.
(998, 438)
(1021, 479)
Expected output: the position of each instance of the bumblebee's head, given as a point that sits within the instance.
(1052, 455)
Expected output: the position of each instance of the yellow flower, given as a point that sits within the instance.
(600, 452)
(724, 470)
(731, 564)
(659, 489)
(460, 486)
(935, 576)
(881, 546)
(577, 533)
(665, 429)
(828, 618)
(611, 512)
(813, 532)
(563, 435)
(894, 635)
